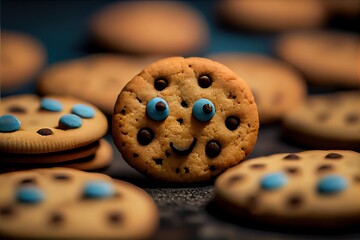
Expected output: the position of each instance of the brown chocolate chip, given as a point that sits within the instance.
(123, 111)
(232, 122)
(325, 167)
(252, 202)
(177, 170)
(351, 118)
(186, 169)
(212, 168)
(291, 157)
(204, 81)
(145, 136)
(333, 156)
(235, 178)
(56, 218)
(7, 211)
(29, 180)
(357, 178)
(160, 84)
(257, 166)
(160, 106)
(294, 201)
(167, 153)
(61, 176)
(158, 161)
(135, 155)
(322, 117)
(45, 131)
(16, 109)
(292, 170)
(184, 104)
(213, 148)
(180, 120)
(115, 217)
(207, 108)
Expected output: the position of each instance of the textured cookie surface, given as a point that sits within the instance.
(67, 203)
(326, 121)
(150, 27)
(29, 124)
(185, 120)
(95, 79)
(277, 88)
(272, 15)
(311, 188)
(325, 58)
(22, 56)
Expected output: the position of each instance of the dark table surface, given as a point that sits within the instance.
(187, 212)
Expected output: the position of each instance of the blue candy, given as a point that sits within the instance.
(71, 121)
(156, 112)
(83, 111)
(9, 123)
(331, 184)
(51, 105)
(98, 189)
(29, 194)
(201, 112)
(273, 181)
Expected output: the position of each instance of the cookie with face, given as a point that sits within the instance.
(67, 203)
(185, 120)
(308, 189)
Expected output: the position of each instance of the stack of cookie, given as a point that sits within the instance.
(52, 131)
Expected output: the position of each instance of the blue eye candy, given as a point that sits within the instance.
(331, 184)
(83, 111)
(70, 121)
(9, 123)
(51, 105)
(30, 194)
(98, 189)
(157, 109)
(273, 181)
(203, 110)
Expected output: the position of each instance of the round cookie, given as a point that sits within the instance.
(325, 58)
(22, 56)
(272, 15)
(277, 87)
(183, 120)
(167, 27)
(102, 74)
(330, 121)
(32, 125)
(67, 203)
(307, 189)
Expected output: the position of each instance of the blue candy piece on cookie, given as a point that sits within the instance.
(29, 194)
(157, 109)
(273, 181)
(70, 121)
(51, 105)
(331, 184)
(9, 123)
(83, 111)
(98, 189)
(203, 110)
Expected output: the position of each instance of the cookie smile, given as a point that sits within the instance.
(185, 151)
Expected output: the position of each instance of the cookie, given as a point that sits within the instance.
(100, 159)
(329, 121)
(329, 59)
(95, 79)
(272, 15)
(167, 27)
(67, 203)
(277, 87)
(22, 56)
(306, 189)
(33, 125)
(344, 8)
(183, 120)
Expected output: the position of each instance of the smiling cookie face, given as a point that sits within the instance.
(185, 120)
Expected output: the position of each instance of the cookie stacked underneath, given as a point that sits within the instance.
(51, 131)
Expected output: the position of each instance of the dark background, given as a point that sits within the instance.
(187, 212)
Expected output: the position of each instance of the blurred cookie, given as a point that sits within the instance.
(148, 27)
(325, 58)
(330, 121)
(95, 79)
(307, 189)
(277, 87)
(22, 56)
(185, 120)
(67, 203)
(272, 15)
(343, 8)
(31, 125)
